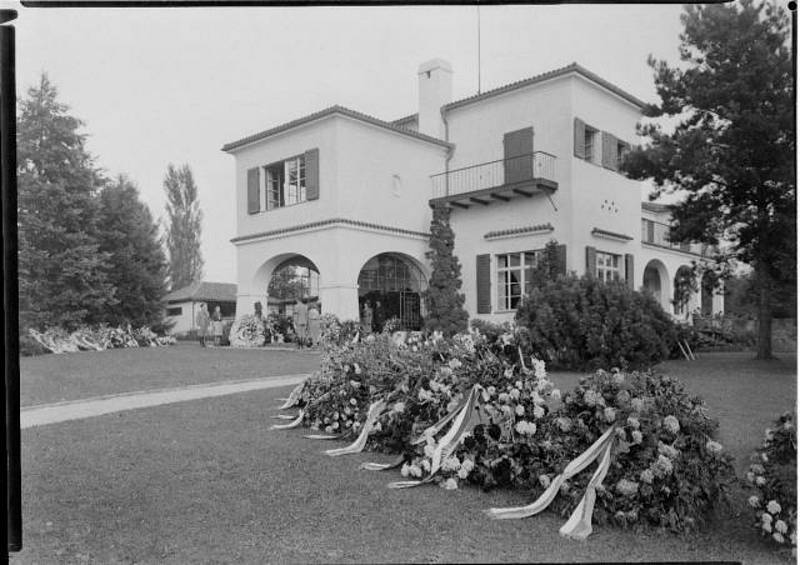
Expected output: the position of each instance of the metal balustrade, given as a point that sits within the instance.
(503, 172)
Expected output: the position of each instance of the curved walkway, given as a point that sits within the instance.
(77, 409)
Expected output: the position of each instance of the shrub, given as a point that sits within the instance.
(583, 323)
(773, 479)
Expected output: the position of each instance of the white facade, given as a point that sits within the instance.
(373, 183)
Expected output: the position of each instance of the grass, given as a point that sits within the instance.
(72, 376)
(207, 481)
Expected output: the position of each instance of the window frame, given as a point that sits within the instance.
(506, 300)
(602, 269)
(287, 193)
(590, 139)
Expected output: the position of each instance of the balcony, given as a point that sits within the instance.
(657, 234)
(496, 181)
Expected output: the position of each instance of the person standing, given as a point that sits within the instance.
(203, 319)
(216, 322)
(378, 317)
(301, 321)
(366, 318)
(314, 324)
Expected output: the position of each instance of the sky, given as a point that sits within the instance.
(172, 85)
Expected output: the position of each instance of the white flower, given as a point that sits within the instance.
(564, 424)
(539, 368)
(766, 526)
(646, 476)
(713, 447)
(525, 428)
(750, 476)
(780, 526)
(518, 384)
(463, 473)
(757, 469)
(544, 480)
(753, 501)
(773, 507)
(404, 469)
(335, 416)
(377, 427)
(538, 412)
(626, 487)
(636, 435)
(619, 378)
(633, 422)
(491, 390)
(451, 464)
(610, 415)
(358, 369)
(328, 429)
(671, 424)
(503, 397)
(778, 537)
(426, 465)
(537, 398)
(514, 394)
(520, 410)
(637, 404)
(767, 518)
(429, 450)
(414, 471)
(357, 425)
(399, 407)
(454, 364)
(468, 464)
(450, 484)
(555, 394)
(764, 457)
(761, 481)
(348, 411)
(348, 424)
(335, 425)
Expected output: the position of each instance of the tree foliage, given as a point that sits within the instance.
(184, 219)
(138, 264)
(732, 151)
(445, 304)
(63, 276)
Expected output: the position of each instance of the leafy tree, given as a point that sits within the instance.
(445, 304)
(63, 277)
(139, 267)
(732, 151)
(183, 231)
(548, 267)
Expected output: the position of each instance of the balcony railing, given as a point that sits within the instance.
(528, 168)
(657, 233)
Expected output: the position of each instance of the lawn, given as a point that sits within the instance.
(72, 376)
(207, 481)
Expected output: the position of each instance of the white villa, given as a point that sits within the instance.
(346, 198)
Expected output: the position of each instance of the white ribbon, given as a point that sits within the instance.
(357, 446)
(293, 424)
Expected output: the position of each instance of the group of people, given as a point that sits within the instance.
(307, 323)
(206, 321)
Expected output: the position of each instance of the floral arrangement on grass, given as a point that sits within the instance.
(248, 331)
(98, 338)
(773, 478)
(478, 409)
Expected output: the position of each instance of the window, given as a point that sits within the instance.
(590, 144)
(286, 182)
(515, 277)
(608, 268)
(176, 311)
(621, 150)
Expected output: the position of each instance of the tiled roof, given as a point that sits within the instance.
(405, 121)
(340, 110)
(516, 231)
(563, 71)
(655, 207)
(610, 234)
(201, 290)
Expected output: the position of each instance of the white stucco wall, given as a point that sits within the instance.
(185, 321)
(321, 135)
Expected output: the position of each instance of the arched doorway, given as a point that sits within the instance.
(392, 285)
(655, 281)
(295, 277)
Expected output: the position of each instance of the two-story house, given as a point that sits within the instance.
(348, 197)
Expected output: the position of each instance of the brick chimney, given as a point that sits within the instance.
(435, 90)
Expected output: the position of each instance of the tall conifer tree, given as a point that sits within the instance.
(445, 304)
(63, 277)
(184, 219)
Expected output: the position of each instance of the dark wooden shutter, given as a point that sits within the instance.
(610, 155)
(651, 228)
(591, 262)
(312, 174)
(518, 155)
(253, 197)
(629, 270)
(561, 259)
(484, 283)
(580, 139)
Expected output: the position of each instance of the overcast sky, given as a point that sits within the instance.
(174, 85)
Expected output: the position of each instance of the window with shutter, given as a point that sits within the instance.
(253, 196)
(591, 261)
(580, 138)
(629, 271)
(484, 282)
(610, 151)
(562, 259)
(312, 174)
